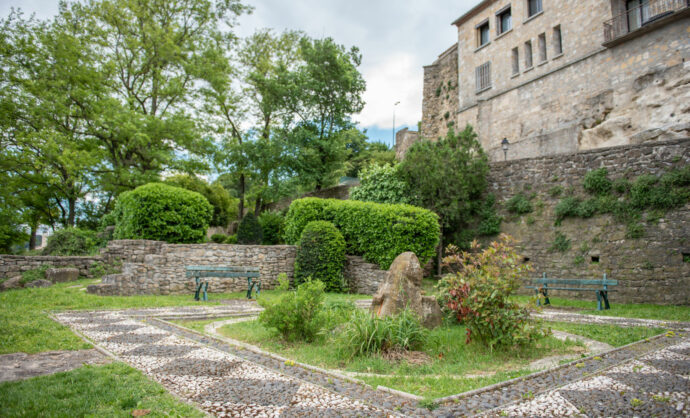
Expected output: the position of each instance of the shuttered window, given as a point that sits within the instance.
(483, 74)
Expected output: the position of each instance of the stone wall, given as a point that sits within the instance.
(404, 139)
(152, 267)
(440, 103)
(14, 265)
(651, 269)
(590, 95)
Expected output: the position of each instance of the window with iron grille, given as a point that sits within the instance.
(534, 7)
(483, 74)
(557, 41)
(542, 48)
(528, 54)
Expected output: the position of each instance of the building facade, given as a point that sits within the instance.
(562, 76)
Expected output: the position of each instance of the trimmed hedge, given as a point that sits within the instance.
(249, 231)
(272, 225)
(161, 212)
(378, 232)
(321, 256)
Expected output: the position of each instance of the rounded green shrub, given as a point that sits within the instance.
(272, 225)
(161, 212)
(219, 238)
(597, 182)
(381, 184)
(231, 239)
(72, 241)
(378, 232)
(519, 204)
(321, 256)
(297, 315)
(249, 231)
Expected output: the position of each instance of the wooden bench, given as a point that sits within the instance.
(202, 273)
(542, 286)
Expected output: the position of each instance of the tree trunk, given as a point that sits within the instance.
(257, 206)
(240, 215)
(32, 238)
(439, 267)
(72, 212)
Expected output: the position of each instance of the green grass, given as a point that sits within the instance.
(609, 334)
(25, 325)
(625, 310)
(449, 355)
(112, 390)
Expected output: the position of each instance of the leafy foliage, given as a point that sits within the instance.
(249, 231)
(477, 294)
(224, 206)
(561, 243)
(378, 232)
(231, 239)
(298, 314)
(160, 212)
(596, 182)
(321, 256)
(489, 220)
(519, 204)
(73, 241)
(365, 334)
(381, 184)
(219, 238)
(272, 226)
(11, 232)
(34, 274)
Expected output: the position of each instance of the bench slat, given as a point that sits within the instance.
(607, 282)
(222, 268)
(573, 288)
(200, 273)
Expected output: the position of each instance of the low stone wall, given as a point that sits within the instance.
(362, 277)
(151, 267)
(14, 265)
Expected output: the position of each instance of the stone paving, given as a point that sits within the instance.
(18, 366)
(645, 379)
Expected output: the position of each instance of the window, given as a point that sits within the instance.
(528, 55)
(504, 21)
(483, 34)
(516, 61)
(557, 41)
(638, 13)
(483, 74)
(542, 47)
(533, 7)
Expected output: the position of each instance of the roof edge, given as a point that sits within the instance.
(472, 12)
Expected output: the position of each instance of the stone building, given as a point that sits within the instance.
(563, 76)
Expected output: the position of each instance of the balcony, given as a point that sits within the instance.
(640, 19)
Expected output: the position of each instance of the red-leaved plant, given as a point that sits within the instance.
(477, 293)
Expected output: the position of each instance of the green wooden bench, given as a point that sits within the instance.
(542, 286)
(202, 273)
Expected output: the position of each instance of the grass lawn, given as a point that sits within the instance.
(626, 310)
(609, 334)
(446, 348)
(112, 390)
(25, 326)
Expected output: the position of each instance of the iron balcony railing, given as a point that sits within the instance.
(635, 18)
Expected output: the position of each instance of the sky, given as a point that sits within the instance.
(396, 39)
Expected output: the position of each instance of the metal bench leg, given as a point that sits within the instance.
(205, 292)
(198, 289)
(605, 295)
(599, 301)
(250, 286)
(258, 289)
(546, 296)
(536, 291)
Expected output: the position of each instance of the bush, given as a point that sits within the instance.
(34, 274)
(272, 225)
(219, 238)
(365, 334)
(249, 231)
(298, 314)
(489, 220)
(519, 204)
(567, 207)
(161, 212)
(381, 184)
(224, 205)
(72, 241)
(378, 232)
(321, 256)
(478, 294)
(231, 239)
(597, 182)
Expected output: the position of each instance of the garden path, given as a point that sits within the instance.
(645, 378)
(17, 366)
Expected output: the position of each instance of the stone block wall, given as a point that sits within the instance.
(440, 103)
(14, 265)
(158, 268)
(652, 269)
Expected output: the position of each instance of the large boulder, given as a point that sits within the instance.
(60, 275)
(12, 283)
(402, 288)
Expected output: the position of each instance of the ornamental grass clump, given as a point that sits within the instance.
(477, 294)
(297, 315)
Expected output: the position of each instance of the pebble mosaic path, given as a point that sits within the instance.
(650, 378)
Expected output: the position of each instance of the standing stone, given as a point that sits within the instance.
(402, 288)
(60, 275)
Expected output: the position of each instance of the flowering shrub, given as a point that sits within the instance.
(477, 293)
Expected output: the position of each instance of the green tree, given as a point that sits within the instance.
(223, 205)
(447, 177)
(381, 184)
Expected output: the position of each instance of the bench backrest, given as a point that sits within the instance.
(221, 271)
(597, 282)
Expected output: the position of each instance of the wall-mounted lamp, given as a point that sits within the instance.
(505, 145)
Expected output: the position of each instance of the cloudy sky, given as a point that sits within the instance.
(396, 38)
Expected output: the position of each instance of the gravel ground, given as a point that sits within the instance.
(644, 379)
